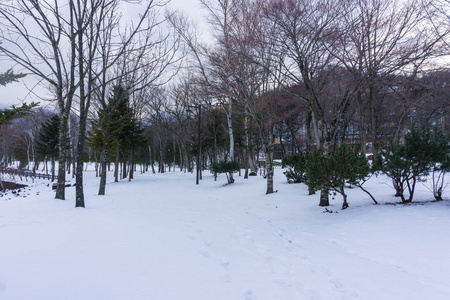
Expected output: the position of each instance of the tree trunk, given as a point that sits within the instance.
(79, 194)
(53, 169)
(152, 162)
(73, 163)
(438, 184)
(230, 129)
(104, 157)
(246, 149)
(398, 186)
(345, 203)
(268, 153)
(116, 166)
(324, 197)
(373, 128)
(124, 168)
(35, 163)
(411, 189)
(251, 160)
(315, 128)
(61, 185)
(131, 167)
(325, 191)
(362, 121)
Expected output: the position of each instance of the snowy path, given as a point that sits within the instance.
(163, 237)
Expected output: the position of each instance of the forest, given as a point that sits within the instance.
(324, 86)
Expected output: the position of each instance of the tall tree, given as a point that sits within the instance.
(140, 61)
(305, 40)
(47, 142)
(211, 68)
(377, 40)
(40, 37)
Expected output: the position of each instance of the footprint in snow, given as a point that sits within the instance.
(248, 295)
(224, 263)
(204, 252)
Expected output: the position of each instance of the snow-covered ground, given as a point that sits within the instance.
(161, 237)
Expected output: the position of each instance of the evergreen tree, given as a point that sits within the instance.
(296, 165)
(116, 131)
(131, 137)
(441, 168)
(227, 167)
(104, 136)
(439, 156)
(20, 151)
(393, 164)
(317, 171)
(410, 163)
(345, 166)
(7, 115)
(108, 123)
(9, 77)
(47, 143)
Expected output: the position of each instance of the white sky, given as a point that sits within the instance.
(18, 92)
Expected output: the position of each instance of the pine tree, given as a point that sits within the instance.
(104, 136)
(7, 115)
(441, 168)
(9, 77)
(131, 136)
(106, 124)
(47, 142)
(227, 167)
(317, 173)
(410, 163)
(428, 152)
(296, 165)
(345, 166)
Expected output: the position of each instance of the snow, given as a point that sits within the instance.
(161, 236)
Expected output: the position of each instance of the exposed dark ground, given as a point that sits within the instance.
(12, 186)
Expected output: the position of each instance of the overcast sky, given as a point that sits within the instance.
(19, 92)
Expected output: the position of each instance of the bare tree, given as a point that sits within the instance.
(213, 69)
(64, 50)
(139, 61)
(438, 15)
(380, 39)
(34, 36)
(254, 86)
(305, 38)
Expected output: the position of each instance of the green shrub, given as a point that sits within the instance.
(344, 166)
(425, 150)
(317, 171)
(348, 166)
(227, 167)
(296, 164)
